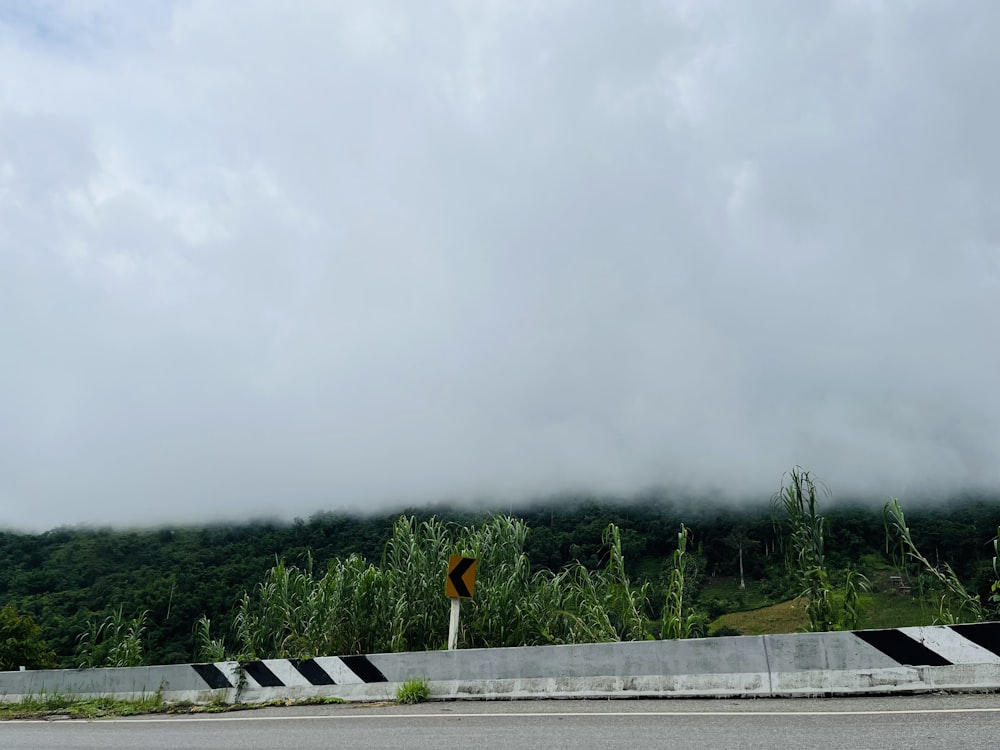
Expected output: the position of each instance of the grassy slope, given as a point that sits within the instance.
(882, 608)
(786, 617)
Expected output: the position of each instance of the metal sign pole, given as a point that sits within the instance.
(453, 625)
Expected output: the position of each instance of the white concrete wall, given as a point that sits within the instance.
(842, 663)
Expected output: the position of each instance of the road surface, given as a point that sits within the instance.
(903, 723)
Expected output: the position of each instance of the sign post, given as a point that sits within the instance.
(460, 584)
(453, 624)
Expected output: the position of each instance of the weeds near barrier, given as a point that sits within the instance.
(320, 700)
(54, 704)
(413, 691)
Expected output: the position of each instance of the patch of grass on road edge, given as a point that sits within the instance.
(413, 691)
(52, 704)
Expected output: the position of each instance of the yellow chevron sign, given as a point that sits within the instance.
(461, 580)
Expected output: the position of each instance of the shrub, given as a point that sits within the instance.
(413, 691)
(724, 631)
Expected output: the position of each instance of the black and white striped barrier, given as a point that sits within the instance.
(272, 673)
(938, 646)
(350, 677)
(898, 660)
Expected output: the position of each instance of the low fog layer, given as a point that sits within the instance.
(269, 259)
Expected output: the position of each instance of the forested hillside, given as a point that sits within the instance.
(70, 581)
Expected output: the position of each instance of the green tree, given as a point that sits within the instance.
(21, 642)
(739, 539)
(995, 586)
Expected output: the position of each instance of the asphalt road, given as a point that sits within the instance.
(971, 721)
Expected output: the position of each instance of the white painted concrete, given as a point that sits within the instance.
(776, 665)
(951, 645)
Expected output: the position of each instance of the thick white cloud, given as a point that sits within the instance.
(271, 258)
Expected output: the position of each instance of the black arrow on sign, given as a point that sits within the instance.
(455, 576)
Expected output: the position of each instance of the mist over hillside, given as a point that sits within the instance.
(268, 260)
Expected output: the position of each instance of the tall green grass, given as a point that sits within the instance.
(115, 642)
(356, 607)
(956, 604)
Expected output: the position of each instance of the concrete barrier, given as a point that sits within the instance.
(900, 660)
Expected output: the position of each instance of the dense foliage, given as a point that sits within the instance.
(21, 642)
(91, 590)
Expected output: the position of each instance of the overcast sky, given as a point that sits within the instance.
(269, 258)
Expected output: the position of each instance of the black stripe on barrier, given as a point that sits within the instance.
(212, 676)
(899, 646)
(363, 668)
(265, 677)
(312, 671)
(984, 634)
